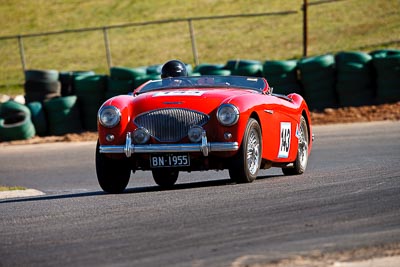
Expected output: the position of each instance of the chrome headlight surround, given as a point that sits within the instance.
(228, 114)
(109, 116)
(140, 135)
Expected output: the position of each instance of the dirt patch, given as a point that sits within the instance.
(382, 112)
(327, 259)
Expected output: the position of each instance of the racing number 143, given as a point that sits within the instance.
(285, 135)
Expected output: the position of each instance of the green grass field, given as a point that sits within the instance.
(349, 25)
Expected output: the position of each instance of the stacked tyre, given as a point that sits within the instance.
(63, 115)
(90, 91)
(211, 69)
(66, 79)
(15, 122)
(282, 76)
(41, 85)
(242, 67)
(317, 76)
(123, 80)
(355, 85)
(38, 117)
(387, 68)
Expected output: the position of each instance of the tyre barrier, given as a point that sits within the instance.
(354, 85)
(66, 79)
(344, 79)
(15, 122)
(387, 78)
(38, 117)
(41, 85)
(63, 115)
(118, 87)
(211, 69)
(90, 91)
(317, 75)
(242, 67)
(124, 73)
(282, 75)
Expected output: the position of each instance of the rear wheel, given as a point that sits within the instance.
(300, 164)
(165, 177)
(246, 165)
(113, 175)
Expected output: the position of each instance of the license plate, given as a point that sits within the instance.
(169, 160)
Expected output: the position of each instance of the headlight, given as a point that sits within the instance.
(194, 134)
(141, 136)
(228, 114)
(109, 116)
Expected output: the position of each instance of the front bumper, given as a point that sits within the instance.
(204, 147)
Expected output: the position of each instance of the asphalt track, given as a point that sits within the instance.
(349, 197)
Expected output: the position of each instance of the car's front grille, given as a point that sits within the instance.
(171, 124)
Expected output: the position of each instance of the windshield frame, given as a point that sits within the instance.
(258, 84)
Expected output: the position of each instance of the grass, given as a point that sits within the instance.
(10, 188)
(362, 25)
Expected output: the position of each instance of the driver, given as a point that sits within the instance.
(171, 70)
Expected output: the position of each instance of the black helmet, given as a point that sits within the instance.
(173, 68)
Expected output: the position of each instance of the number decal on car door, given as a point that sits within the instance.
(285, 135)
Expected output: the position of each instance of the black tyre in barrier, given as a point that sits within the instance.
(41, 75)
(41, 85)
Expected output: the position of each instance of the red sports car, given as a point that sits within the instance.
(201, 123)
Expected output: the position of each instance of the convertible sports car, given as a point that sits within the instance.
(201, 123)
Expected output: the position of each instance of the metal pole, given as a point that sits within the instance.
(305, 28)
(107, 46)
(193, 40)
(22, 53)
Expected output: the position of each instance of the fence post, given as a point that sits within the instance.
(305, 28)
(193, 40)
(22, 53)
(107, 46)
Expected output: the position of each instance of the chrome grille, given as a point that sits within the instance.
(171, 124)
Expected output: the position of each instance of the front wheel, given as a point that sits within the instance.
(165, 177)
(245, 166)
(112, 174)
(300, 164)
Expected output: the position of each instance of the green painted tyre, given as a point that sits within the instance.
(15, 122)
(38, 117)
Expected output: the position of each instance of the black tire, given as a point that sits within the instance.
(246, 164)
(113, 175)
(165, 178)
(41, 75)
(300, 164)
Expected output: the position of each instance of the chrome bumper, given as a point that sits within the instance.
(204, 147)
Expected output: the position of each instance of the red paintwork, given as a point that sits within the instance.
(249, 103)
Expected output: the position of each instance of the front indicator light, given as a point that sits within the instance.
(141, 135)
(195, 133)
